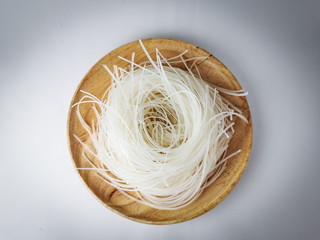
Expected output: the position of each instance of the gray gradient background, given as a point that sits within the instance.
(272, 47)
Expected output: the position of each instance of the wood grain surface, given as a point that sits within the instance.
(97, 81)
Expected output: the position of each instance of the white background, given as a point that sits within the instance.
(272, 47)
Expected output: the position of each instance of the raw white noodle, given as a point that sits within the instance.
(161, 133)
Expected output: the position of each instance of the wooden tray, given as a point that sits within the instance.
(212, 70)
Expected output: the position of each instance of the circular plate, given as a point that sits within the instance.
(97, 81)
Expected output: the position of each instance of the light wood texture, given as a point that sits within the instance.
(212, 70)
